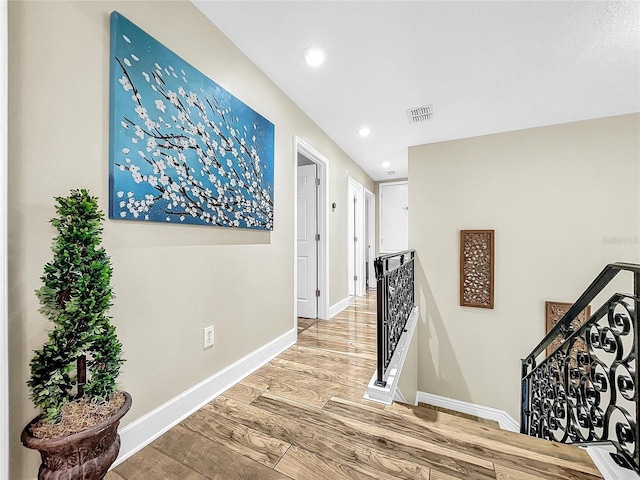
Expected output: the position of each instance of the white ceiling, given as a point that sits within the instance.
(486, 67)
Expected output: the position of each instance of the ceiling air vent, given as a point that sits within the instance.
(420, 114)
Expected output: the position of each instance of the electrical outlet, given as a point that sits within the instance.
(208, 336)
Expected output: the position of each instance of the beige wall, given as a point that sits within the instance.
(563, 201)
(170, 280)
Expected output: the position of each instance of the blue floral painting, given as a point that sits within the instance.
(183, 149)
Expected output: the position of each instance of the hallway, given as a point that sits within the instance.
(302, 416)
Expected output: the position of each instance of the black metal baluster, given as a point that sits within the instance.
(574, 394)
(636, 369)
(395, 301)
(378, 266)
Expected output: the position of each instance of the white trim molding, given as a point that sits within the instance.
(147, 428)
(607, 467)
(370, 245)
(506, 421)
(300, 146)
(389, 392)
(338, 307)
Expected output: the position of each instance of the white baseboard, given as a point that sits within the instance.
(338, 307)
(609, 469)
(147, 428)
(506, 421)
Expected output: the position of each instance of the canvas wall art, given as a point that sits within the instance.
(183, 149)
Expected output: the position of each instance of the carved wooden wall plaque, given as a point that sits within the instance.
(476, 268)
(554, 311)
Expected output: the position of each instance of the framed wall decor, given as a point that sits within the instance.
(477, 259)
(182, 148)
(554, 311)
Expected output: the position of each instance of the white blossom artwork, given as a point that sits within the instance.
(183, 149)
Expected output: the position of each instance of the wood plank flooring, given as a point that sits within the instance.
(302, 417)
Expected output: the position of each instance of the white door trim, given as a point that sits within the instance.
(301, 146)
(359, 233)
(4, 322)
(371, 220)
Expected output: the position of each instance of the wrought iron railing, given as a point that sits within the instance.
(395, 281)
(586, 390)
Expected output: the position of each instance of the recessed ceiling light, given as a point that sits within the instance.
(386, 165)
(314, 56)
(364, 131)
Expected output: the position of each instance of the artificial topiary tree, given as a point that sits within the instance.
(82, 357)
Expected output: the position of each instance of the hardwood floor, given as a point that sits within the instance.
(302, 416)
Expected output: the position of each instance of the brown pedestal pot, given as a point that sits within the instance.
(85, 455)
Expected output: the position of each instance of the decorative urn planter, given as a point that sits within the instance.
(86, 455)
(82, 357)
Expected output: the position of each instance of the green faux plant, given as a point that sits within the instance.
(82, 357)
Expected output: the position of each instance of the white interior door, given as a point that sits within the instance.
(307, 242)
(370, 237)
(351, 239)
(394, 217)
(307, 155)
(355, 237)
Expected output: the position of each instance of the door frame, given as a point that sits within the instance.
(304, 148)
(358, 231)
(370, 220)
(380, 224)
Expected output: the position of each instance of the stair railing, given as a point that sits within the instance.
(586, 391)
(395, 300)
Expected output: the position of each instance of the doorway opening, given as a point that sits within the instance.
(307, 238)
(356, 241)
(370, 237)
(394, 217)
(311, 268)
